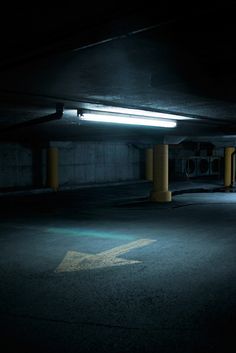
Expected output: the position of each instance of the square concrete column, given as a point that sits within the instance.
(160, 192)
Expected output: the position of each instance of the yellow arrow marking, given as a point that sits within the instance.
(77, 261)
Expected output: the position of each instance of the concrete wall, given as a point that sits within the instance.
(79, 163)
(97, 162)
(15, 166)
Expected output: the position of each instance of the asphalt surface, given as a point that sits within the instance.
(105, 270)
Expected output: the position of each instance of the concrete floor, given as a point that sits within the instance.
(179, 297)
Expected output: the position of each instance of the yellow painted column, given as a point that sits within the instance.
(149, 164)
(160, 192)
(233, 170)
(52, 168)
(228, 166)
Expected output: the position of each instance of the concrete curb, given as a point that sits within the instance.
(174, 190)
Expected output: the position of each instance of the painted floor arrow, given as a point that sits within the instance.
(77, 261)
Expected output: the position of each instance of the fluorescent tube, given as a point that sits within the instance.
(130, 120)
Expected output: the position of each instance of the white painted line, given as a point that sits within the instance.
(77, 261)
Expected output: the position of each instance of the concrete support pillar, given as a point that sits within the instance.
(233, 169)
(160, 192)
(229, 166)
(52, 168)
(149, 164)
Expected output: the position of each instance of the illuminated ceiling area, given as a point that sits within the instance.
(119, 57)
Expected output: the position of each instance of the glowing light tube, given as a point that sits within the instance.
(146, 113)
(129, 120)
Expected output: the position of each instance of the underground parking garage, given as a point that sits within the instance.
(117, 180)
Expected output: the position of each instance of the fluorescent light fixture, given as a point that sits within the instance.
(140, 112)
(130, 119)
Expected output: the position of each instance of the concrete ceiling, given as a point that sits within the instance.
(161, 58)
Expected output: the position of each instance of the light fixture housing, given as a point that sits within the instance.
(134, 112)
(129, 117)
